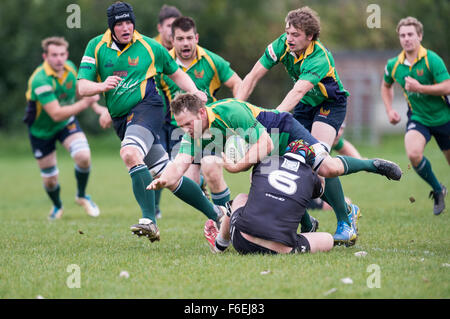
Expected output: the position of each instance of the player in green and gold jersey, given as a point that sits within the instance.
(318, 98)
(426, 83)
(266, 131)
(209, 72)
(122, 64)
(50, 116)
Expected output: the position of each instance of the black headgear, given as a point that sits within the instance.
(119, 11)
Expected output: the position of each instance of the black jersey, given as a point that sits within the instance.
(280, 191)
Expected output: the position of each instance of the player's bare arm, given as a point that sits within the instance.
(255, 154)
(387, 95)
(250, 81)
(294, 96)
(185, 83)
(173, 173)
(58, 113)
(234, 83)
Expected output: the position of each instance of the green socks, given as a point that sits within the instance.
(82, 176)
(334, 195)
(354, 165)
(189, 192)
(140, 178)
(221, 198)
(54, 195)
(424, 170)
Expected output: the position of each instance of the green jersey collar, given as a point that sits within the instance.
(420, 55)
(107, 38)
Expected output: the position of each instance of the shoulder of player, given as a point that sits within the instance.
(71, 66)
(431, 55)
(39, 77)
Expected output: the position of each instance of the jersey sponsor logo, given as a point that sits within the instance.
(386, 70)
(122, 74)
(199, 75)
(281, 199)
(109, 64)
(323, 112)
(133, 62)
(43, 89)
(87, 59)
(419, 72)
(272, 53)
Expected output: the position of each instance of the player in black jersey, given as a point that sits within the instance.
(267, 219)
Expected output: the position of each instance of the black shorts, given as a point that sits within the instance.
(243, 246)
(331, 114)
(441, 133)
(42, 147)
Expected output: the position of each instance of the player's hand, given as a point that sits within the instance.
(157, 184)
(394, 117)
(229, 165)
(201, 95)
(412, 84)
(105, 119)
(92, 99)
(111, 82)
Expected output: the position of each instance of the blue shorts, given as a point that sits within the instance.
(148, 113)
(170, 136)
(284, 122)
(331, 114)
(43, 147)
(441, 133)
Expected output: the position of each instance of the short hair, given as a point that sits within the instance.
(411, 21)
(184, 23)
(167, 12)
(59, 41)
(305, 19)
(186, 101)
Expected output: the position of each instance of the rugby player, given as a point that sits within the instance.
(425, 82)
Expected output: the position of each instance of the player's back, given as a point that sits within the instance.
(281, 189)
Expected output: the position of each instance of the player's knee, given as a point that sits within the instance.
(212, 171)
(414, 156)
(83, 159)
(331, 167)
(130, 156)
(51, 182)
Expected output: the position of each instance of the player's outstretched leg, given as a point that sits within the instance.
(377, 165)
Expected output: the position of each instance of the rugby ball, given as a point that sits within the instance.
(235, 148)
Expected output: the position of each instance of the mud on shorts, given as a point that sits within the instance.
(243, 246)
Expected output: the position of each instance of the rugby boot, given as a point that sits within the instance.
(388, 169)
(88, 204)
(345, 234)
(55, 213)
(146, 228)
(439, 200)
(211, 232)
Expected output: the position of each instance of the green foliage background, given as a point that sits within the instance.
(239, 30)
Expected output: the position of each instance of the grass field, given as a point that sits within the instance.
(405, 243)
